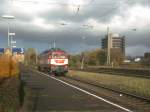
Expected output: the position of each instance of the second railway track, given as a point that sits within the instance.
(140, 75)
(140, 103)
(114, 90)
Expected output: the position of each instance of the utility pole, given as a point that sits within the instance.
(36, 60)
(83, 55)
(108, 46)
(54, 44)
(8, 35)
(50, 45)
(82, 61)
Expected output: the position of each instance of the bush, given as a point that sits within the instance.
(8, 67)
(11, 88)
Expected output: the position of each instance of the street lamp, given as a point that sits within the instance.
(8, 17)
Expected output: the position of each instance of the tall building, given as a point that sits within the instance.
(116, 42)
(147, 55)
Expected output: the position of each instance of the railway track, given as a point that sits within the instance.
(115, 73)
(111, 89)
(142, 104)
(78, 93)
(132, 101)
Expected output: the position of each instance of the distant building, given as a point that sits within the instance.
(147, 55)
(116, 42)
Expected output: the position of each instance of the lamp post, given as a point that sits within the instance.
(8, 17)
(12, 43)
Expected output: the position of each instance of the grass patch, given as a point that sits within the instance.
(134, 85)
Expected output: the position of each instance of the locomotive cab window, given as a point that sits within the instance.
(61, 56)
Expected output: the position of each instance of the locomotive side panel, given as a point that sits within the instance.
(44, 62)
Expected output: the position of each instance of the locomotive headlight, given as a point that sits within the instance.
(66, 66)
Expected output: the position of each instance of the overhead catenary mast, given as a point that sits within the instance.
(50, 45)
(108, 46)
(54, 44)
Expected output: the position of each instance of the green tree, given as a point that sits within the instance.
(96, 57)
(74, 61)
(116, 56)
(91, 58)
(102, 57)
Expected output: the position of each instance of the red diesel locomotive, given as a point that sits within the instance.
(54, 60)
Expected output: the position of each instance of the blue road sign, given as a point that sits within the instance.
(2, 50)
(18, 50)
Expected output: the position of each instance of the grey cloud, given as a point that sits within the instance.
(138, 38)
(143, 2)
(100, 12)
(70, 36)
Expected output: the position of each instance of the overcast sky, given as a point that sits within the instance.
(76, 25)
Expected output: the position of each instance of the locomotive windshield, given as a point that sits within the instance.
(59, 56)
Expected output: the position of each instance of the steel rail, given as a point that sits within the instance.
(115, 73)
(111, 89)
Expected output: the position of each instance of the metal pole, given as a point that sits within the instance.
(11, 38)
(36, 56)
(50, 46)
(82, 62)
(8, 35)
(108, 46)
(8, 30)
(54, 44)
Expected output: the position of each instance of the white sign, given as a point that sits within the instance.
(14, 46)
(12, 34)
(13, 42)
(22, 50)
(59, 61)
(8, 16)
